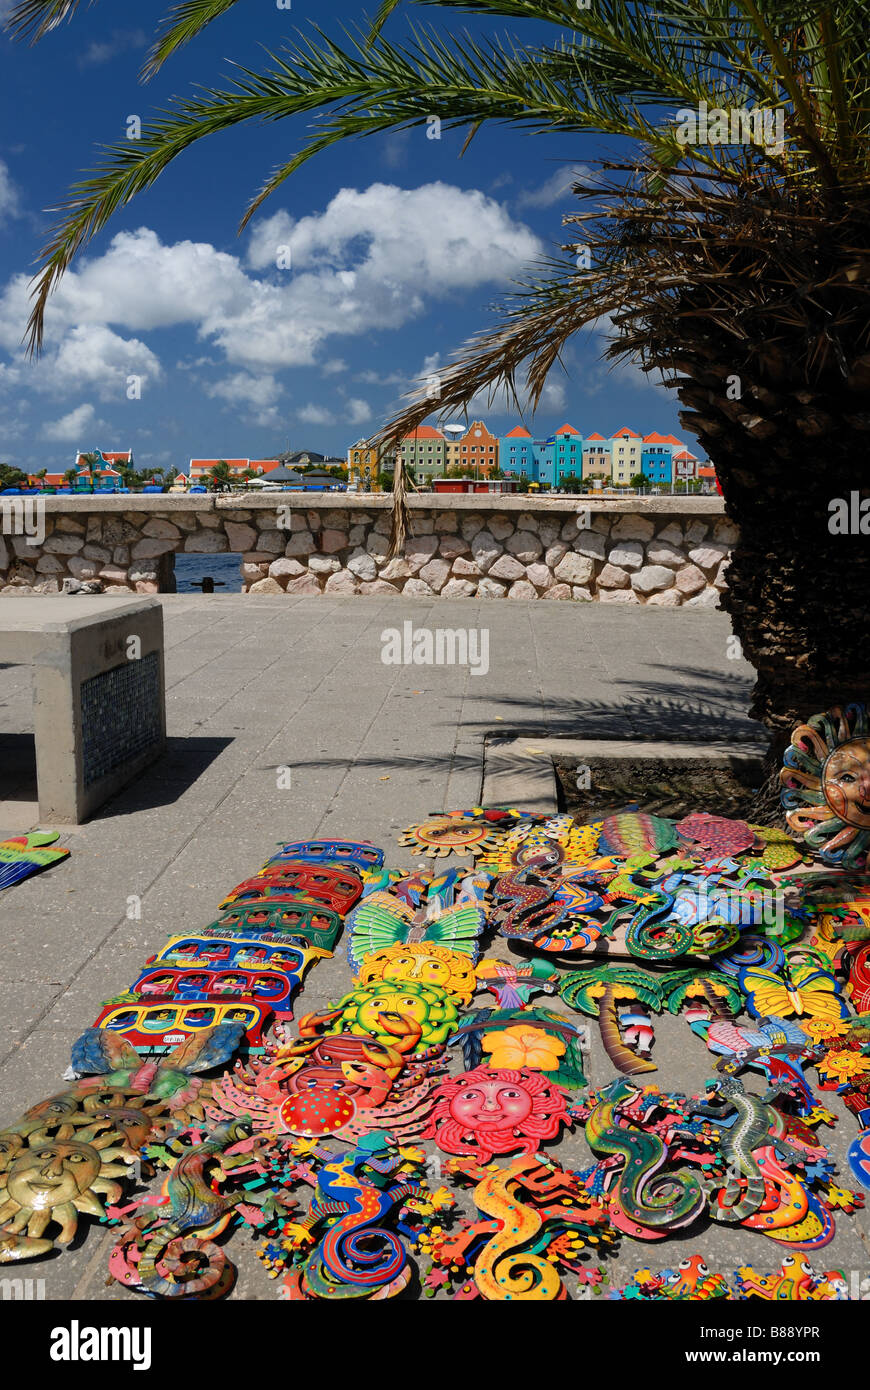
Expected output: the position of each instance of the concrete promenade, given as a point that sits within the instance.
(259, 687)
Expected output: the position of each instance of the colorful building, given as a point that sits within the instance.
(516, 455)
(199, 470)
(657, 457)
(685, 466)
(476, 451)
(567, 455)
(363, 466)
(94, 469)
(626, 456)
(596, 459)
(424, 453)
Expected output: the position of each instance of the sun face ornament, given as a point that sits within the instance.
(371, 1010)
(425, 962)
(492, 1111)
(826, 784)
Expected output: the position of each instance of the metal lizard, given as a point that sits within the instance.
(354, 1258)
(195, 1264)
(680, 1198)
(754, 1125)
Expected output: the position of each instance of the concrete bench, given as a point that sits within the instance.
(99, 695)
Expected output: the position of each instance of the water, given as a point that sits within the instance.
(196, 567)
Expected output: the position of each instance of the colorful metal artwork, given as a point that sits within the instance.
(335, 888)
(459, 832)
(319, 926)
(805, 990)
(443, 909)
(23, 855)
(826, 784)
(356, 854)
(371, 1009)
(514, 982)
(496, 1111)
(310, 1136)
(535, 1219)
(161, 1023)
(423, 961)
(714, 837)
(537, 1039)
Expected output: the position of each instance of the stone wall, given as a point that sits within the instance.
(667, 552)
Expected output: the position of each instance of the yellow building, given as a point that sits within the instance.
(363, 466)
(626, 456)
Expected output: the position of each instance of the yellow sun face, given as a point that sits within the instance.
(826, 784)
(428, 963)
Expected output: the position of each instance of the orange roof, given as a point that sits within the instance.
(658, 439)
(519, 433)
(596, 436)
(631, 434)
(706, 472)
(686, 455)
(210, 463)
(425, 432)
(567, 429)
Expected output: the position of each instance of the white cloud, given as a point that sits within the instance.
(70, 428)
(92, 355)
(555, 189)
(121, 41)
(333, 366)
(315, 415)
(260, 393)
(358, 412)
(10, 202)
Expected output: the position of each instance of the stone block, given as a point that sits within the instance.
(574, 569)
(651, 578)
(558, 591)
(266, 586)
(540, 576)
(522, 589)
(342, 582)
(632, 528)
(323, 564)
(612, 577)
(203, 543)
(627, 556)
(164, 530)
(362, 564)
(435, 573)
(282, 568)
(526, 546)
(417, 588)
(239, 536)
(490, 588)
(689, 580)
(63, 544)
(507, 567)
(458, 588)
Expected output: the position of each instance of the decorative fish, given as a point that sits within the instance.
(24, 855)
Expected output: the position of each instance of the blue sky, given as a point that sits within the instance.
(399, 249)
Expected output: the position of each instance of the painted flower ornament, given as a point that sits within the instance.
(523, 1046)
(826, 784)
(494, 1110)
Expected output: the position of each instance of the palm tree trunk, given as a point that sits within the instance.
(797, 593)
(621, 1056)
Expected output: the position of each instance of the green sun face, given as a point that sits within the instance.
(368, 1010)
(826, 784)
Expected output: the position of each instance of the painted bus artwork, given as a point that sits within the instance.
(335, 888)
(160, 1025)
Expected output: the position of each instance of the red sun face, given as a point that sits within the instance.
(491, 1103)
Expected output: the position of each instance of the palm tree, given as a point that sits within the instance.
(739, 272)
(220, 477)
(597, 991)
(718, 990)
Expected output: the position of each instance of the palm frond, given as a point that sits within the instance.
(183, 23)
(34, 18)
